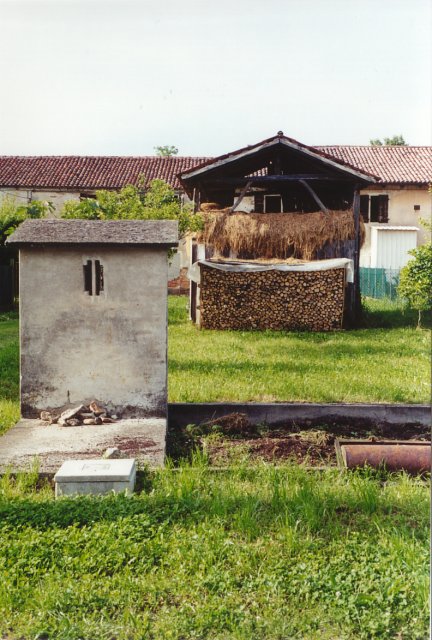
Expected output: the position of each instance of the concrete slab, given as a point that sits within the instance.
(96, 477)
(142, 439)
(302, 413)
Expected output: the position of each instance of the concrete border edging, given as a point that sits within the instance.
(181, 414)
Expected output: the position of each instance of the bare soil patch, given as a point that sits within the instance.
(233, 437)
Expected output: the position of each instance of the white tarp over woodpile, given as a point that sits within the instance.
(194, 272)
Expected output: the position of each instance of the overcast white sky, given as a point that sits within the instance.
(117, 77)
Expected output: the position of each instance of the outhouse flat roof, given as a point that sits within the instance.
(105, 232)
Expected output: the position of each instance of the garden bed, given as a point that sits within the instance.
(233, 438)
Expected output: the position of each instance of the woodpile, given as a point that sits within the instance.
(307, 300)
(91, 414)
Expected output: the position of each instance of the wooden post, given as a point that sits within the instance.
(193, 285)
(356, 214)
(197, 199)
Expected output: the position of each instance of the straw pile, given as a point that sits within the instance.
(277, 235)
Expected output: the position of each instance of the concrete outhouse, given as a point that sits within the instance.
(93, 315)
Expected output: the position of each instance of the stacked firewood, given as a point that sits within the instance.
(91, 414)
(307, 300)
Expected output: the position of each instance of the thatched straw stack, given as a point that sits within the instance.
(277, 235)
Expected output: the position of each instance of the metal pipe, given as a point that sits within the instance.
(412, 456)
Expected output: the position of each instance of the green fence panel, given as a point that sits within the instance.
(379, 283)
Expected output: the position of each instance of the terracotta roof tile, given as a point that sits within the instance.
(394, 165)
(89, 172)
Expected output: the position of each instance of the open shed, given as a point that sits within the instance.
(277, 200)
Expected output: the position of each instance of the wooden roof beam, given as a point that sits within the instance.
(314, 196)
(293, 177)
(241, 196)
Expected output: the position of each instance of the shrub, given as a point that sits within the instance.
(415, 283)
(12, 214)
(157, 202)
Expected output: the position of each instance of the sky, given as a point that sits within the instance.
(119, 77)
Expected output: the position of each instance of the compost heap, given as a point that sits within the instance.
(277, 235)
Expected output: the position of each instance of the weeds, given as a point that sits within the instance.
(250, 552)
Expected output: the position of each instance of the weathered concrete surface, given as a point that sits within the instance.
(307, 414)
(77, 347)
(96, 477)
(142, 439)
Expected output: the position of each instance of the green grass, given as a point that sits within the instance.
(255, 553)
(9, 371)
(386, 361)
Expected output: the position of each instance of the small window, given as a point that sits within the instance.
(379, 208)
(259, 203)
(364, 208)
(273, 204)
(93, 274)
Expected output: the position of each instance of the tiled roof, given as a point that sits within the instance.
(89, 172)
(136, 232)
(393, 164)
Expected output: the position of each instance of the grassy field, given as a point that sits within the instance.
(386, 361)
(255, 553)
(9, 371)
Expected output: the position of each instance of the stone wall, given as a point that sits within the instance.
(307, 300)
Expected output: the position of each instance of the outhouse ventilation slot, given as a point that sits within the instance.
(97, 275)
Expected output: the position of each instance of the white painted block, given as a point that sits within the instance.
(83, 477)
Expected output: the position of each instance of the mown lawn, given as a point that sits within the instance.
(253, 553)
(9, 370)
(386, 361)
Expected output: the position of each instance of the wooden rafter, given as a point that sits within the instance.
(274, 178)
(314, 196)
(241, 196)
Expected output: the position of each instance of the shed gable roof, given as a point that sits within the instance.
(273, 143)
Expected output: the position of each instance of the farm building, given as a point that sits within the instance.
(391, 207)
(281, 241)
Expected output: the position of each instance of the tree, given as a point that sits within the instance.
(395, 141)
(415, 284)
(157, 202)
(166, 151)
(12, 214)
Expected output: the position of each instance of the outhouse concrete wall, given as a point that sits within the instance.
(76, 347)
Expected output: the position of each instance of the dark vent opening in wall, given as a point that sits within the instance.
(99, 277)
(87, 268)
